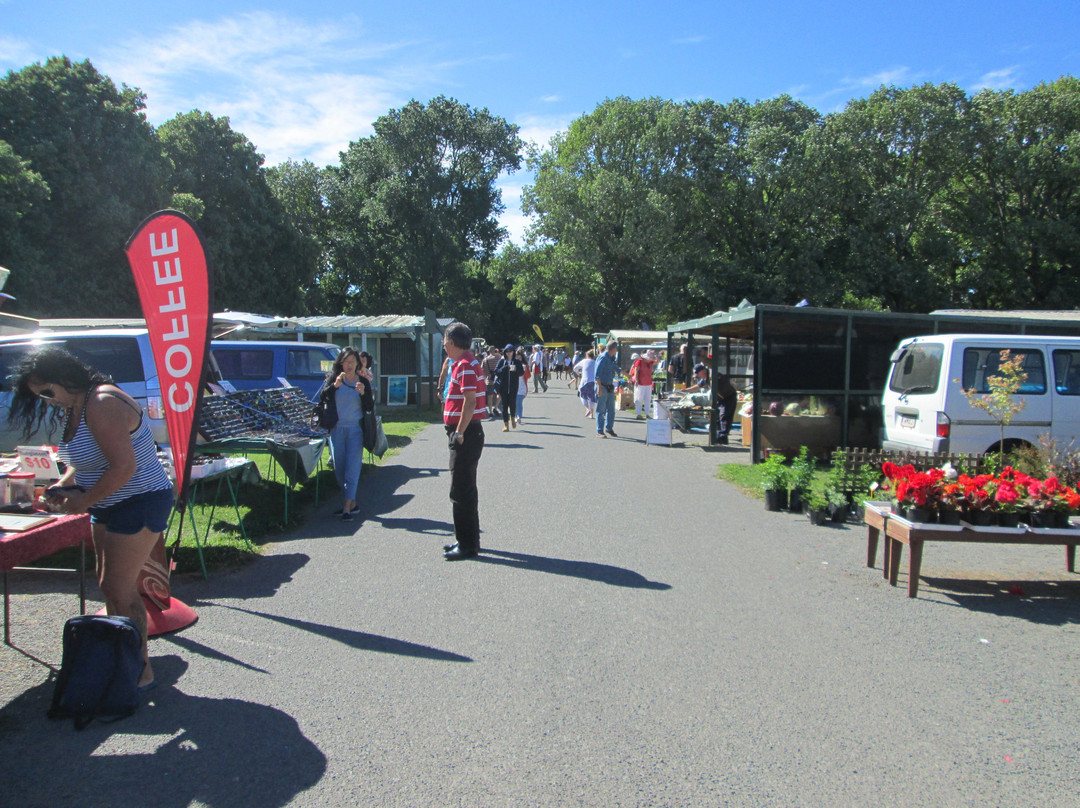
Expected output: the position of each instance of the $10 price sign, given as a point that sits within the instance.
(39, 460)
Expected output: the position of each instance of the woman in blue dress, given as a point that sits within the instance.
(348, 395)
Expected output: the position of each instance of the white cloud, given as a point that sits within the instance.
(513, 219)
(691, 40)
(1004, 79)
(540, 129)
(297, 90)
(16, 54)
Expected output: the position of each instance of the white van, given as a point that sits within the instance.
(924, 405)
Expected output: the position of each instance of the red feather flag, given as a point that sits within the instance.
(171, 272)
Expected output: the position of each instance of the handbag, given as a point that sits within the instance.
(381, 444)
(324, 415)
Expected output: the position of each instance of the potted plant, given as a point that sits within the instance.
(802, 477)
(816, 506)
(774, 479)
(838, 505)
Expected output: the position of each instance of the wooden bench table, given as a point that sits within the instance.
(898, 532)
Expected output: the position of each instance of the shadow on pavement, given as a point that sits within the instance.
(587, 570)
(360, 640)
(222, 753)
(417, 525)
(1052, 603)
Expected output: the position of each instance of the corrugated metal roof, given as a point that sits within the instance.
(375, 322)
(1019, 314)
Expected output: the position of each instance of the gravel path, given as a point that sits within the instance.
(636, 633)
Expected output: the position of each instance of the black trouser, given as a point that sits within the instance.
(509, 405)
(463, 493)
(728, 404)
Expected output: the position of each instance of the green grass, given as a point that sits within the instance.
(747, 478)
(261, 504)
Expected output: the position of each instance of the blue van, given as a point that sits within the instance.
(249, 365)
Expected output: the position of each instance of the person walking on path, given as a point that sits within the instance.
(491, 400)
(523, 384)
(586, 370)
(538, 362)
(347, 394)
(507, 374)
(607, 368)
(464, 428)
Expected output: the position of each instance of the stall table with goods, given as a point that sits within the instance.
(944, 506)
(275, 422)
(25, 538)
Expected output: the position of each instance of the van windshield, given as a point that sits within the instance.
(918, 369)
(118, 357)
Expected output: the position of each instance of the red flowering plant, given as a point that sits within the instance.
(1050, 495)
(978, 495)
(921, 489)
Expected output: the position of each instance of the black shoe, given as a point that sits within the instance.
(446, 548)
(611, 432)
(457, 554)
(346, 517)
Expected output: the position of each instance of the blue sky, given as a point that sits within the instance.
(302, 79)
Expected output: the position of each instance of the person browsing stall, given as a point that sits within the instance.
(113, 471)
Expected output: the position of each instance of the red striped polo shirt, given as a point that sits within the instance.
(465, 376)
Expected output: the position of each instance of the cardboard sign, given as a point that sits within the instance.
(39, 460)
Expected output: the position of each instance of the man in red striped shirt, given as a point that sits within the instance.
(464, 427)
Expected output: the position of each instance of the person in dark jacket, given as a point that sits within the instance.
(507, 373)
(347, 395)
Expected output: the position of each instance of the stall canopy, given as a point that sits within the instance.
(829, 365)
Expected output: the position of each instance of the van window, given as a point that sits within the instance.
(307, 363)
(118, 357)
(245, 363)
(982, 363)
(918, 369)
(1067, 372)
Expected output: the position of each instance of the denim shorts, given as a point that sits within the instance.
(128, 516)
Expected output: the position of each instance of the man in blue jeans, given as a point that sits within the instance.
(607, 368)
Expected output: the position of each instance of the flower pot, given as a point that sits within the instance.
(1054, 519)
(817, 517)
(979, 518)
(916, 514)
(776, 499)
(948, 516)
(1008, 519)
(795, 501)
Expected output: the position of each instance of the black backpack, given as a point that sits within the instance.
(99, 677)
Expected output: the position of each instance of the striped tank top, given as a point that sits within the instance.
(83, 452)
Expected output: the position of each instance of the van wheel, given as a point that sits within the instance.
(1009, 446)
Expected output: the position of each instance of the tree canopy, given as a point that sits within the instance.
(644, 209)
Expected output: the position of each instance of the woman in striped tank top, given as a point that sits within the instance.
(113, 472)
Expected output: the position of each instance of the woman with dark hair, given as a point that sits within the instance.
(367, 366)
(347, 394)
(113, 472)
(506, 382)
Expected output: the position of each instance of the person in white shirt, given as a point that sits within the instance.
(537, 365)
(586, 370)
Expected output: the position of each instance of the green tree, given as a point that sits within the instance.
(606, 193)
(92, 146)
(20, 189)
(260, 260)
(413, 204)
(885, 164)
(1017, 204)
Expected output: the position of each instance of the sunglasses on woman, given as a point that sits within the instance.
(47, 393)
